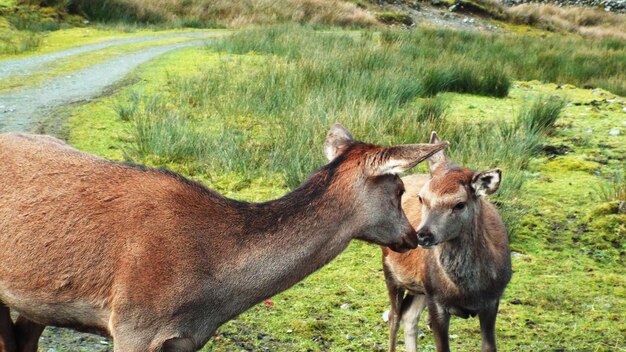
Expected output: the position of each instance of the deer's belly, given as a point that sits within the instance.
(407, 277)
(78, 314)
(462, 312)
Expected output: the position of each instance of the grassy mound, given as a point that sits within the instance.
(205, 13)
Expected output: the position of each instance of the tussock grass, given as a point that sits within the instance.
(211, 13)
(586, 21)
(541, 115)
(232, 116)
(395, 18)
(614, 189)
(305, 82)
(493, 59)
(15, 42)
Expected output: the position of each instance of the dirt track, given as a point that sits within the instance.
(25, 108)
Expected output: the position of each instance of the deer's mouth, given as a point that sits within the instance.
(408, 242)
(429, 246)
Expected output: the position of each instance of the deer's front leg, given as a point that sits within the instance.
(440, 323)
(487, 318)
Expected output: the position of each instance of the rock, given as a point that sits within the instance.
(385, 316)
(345, 306)
(621, 208)
(618, 6)
(615, 132)
(516, 254)
(349, 337)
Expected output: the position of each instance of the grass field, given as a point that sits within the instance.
(248, 118)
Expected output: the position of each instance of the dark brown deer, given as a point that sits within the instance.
(159, 262)
(463, 263)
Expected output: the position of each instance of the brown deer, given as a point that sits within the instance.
(462, 265)
(159, 262)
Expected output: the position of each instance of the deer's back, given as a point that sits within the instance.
(79, 229)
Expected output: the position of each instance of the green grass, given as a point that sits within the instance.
(249, 121)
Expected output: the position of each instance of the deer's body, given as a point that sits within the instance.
(152, 259)
(465, 266)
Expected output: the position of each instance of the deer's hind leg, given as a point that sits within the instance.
(396, 297)
(7, 337)
(412, 307)
(27, 334)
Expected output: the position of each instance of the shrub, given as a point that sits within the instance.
(541, 115)
(14, 42)
(614, 188)
(395, 18)
(587, 21)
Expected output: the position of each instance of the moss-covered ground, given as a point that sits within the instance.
(568, 290)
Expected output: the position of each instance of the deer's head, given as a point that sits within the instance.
(450, 200)
(371, 185)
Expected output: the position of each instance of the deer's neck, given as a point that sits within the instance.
(283, 241)
(466, 260)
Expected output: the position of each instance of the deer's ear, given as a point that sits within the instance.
(438, 158)
(337, 140)
(397, 159)
(486, 182)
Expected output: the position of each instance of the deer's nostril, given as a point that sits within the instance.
(425, 238)
(425, 233)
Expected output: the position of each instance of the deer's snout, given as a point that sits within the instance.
(408, 242)
(425, 238)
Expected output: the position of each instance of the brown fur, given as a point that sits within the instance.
(426, 272)
(449, 184)
(157, 261)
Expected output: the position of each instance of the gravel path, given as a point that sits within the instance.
(28, 65)
(23, 109)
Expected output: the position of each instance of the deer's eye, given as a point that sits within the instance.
(460, 206)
